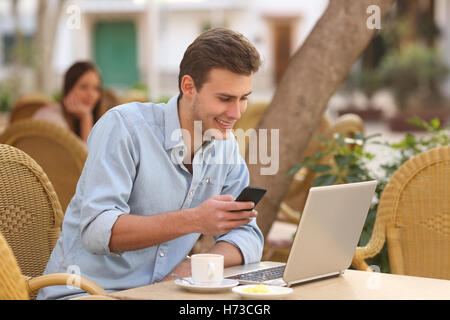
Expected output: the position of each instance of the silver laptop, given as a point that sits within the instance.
(325, 241)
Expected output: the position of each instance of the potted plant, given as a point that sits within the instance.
(413, 73)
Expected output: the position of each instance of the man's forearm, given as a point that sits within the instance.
(232, 255)
(132, 232)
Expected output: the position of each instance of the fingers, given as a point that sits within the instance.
(223, 197)
(228, 204)
(238, 206)
(242, 215)
(233, 224)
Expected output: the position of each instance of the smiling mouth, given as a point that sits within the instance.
(224, 124)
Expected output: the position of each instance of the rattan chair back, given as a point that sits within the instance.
(414, 218)
(27, 105)
(57, 150)
(30, 213)
(12, 283)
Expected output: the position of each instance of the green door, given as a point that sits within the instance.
(115, 53)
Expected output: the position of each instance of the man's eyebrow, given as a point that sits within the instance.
(232, 96)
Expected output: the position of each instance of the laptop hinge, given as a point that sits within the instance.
(320, 277)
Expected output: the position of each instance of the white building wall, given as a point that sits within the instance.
(176, 24)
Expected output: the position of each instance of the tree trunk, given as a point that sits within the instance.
(314, 73)
(39, 43)
(47, 25)
(15, 80)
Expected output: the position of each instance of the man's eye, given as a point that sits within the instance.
(225, 99)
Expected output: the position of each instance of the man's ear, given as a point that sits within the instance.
(188, 86)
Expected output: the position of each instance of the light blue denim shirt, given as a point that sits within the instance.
(135, 167)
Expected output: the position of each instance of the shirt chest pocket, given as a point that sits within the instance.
(207, 188)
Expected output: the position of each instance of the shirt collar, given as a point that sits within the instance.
(172, 129)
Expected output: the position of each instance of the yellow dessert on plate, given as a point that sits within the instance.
(260, 288)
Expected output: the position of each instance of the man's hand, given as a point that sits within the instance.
(215, 217)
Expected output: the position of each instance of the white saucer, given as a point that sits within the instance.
(226, 284)
(276, 292)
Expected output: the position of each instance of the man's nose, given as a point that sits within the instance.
(234, 112)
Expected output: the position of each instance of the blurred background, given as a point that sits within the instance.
(138, 45)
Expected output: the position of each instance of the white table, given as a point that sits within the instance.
(352, 285)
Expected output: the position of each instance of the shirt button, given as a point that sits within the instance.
(191, 192)
(207, 180)
(161, 254)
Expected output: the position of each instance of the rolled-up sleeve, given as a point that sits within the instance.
(248, 238)
(107, 180)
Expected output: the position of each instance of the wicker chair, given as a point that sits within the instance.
(27, 105)
(30, 213)
(58, 151)
(109, 100)
(15, 286)
(414, 218)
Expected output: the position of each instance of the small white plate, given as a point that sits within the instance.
(226, 284)
(275, 292)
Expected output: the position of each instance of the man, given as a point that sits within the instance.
(150, 187)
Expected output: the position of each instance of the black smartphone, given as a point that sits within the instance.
(251, 193)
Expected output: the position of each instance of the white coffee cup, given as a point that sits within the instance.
(207, 269)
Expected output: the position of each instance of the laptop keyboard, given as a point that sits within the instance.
(261, 275)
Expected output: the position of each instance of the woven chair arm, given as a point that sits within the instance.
(54, 279)
(371, 249)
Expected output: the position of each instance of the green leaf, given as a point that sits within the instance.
(318, 155)
(294, 169)
(356, 171)
(435, 123)
(351, 179)
(359, 136)
(339, 139)
(324, 140)
(321, 168)
(416, 121)
(342, 160)
(410, 140)
(325, 180)
(373, 136)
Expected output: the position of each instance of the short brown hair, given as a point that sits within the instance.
(218, 48)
